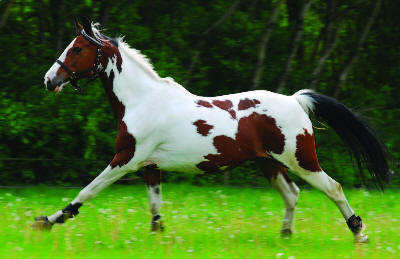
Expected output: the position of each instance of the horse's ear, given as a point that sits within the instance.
(78, 26)
(87, 26)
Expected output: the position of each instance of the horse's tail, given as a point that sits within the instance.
(366, 148)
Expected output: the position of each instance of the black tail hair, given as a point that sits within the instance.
(363, 143)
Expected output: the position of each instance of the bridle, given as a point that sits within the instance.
(94, 70)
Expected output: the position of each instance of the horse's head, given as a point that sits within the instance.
(79, 60)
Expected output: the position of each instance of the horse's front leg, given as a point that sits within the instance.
(111, 174)
(152, 176)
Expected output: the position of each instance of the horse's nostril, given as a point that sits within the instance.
(49, 86)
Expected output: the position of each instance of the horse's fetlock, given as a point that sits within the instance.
(72, 209)
(355, 224)
(157, 225)
(286, 232)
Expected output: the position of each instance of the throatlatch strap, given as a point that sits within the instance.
(354, 223)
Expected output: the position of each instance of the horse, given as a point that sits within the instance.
(164, 127)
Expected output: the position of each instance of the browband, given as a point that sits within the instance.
(90, 39)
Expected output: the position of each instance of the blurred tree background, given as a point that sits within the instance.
(348, 49)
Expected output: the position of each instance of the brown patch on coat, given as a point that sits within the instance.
(232, 113)
(202, 127)
(271, 168)
(204, 103)
(110, 52)
(306, 153)
(247, 103)
(152, 176)
(257, 135)
(230, 154)
(117, 107)
(125, 143)
(259, 132)
(225, 105)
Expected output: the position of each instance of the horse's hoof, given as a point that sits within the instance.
(286, 233)
(361, 239)
(42, 223)
(157, 226)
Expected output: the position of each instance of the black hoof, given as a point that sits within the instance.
(42, 223)
(286, 233)
(157, 226)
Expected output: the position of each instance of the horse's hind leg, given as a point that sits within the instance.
(152, 176)
(305, 164)
(278, 177)
(334, 191)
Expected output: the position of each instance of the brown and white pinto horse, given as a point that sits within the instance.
(161, 126)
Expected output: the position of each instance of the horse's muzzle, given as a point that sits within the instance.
(55, 84)
(50, 86)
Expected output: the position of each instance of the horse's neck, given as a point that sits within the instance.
(132, 83)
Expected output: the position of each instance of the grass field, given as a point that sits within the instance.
(201, 222)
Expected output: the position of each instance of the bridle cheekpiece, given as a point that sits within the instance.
(94, 70)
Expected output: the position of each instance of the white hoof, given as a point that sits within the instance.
(360, 237)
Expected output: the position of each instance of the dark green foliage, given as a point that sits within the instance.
(69, 138)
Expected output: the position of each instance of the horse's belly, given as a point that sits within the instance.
(184, 160)
(197, 154)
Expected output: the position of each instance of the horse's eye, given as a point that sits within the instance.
(76, 50)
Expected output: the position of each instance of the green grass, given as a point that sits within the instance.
(201, 222)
